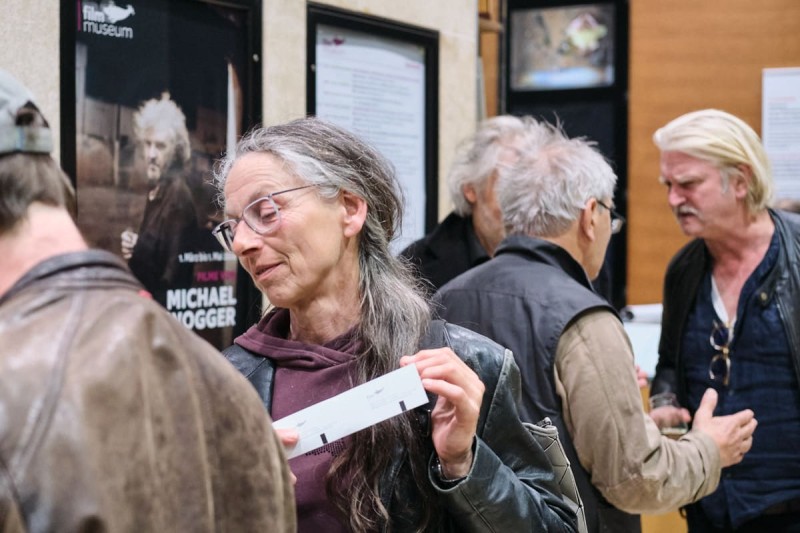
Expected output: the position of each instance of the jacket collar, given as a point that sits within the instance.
(694, 264)
(71, 262)
(454, 228)
(546, 252)
(786, 251)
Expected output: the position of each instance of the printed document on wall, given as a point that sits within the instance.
(780, 128)
(374, 86)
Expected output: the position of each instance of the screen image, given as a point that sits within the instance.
(562, 47)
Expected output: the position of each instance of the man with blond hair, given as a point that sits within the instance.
(169, 223)
(731, 317)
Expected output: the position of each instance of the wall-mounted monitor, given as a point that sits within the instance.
(562, 47)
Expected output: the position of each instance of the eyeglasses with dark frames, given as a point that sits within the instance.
(719, 369)
(617, 220)
(261, 215)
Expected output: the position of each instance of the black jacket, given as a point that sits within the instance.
(449, 250)
(684, 274)
(524, 299)
(511, 486)
(168, 228)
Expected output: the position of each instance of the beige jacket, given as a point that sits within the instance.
(633, 466)
(114, 417)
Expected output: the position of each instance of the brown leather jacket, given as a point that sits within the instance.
(114, 417)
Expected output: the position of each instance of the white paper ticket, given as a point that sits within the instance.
(355, 409)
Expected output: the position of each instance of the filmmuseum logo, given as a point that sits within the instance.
(101, 18)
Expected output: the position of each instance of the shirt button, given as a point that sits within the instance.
(763, 297)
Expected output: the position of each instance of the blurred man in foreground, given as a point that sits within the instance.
(113, 416)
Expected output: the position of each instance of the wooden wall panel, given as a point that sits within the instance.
(490, 28)
(687, 55)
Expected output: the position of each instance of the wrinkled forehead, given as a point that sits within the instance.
(256, 175)
(676, 164)
(159, 135)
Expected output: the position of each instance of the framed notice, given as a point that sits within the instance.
(152, 93)
(379, 79)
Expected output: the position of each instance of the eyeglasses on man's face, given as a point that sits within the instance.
(261, 215)
(719, 369)
(617, 220)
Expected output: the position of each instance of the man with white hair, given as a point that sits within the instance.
(169, 223)
(732, 314)
(576, 363)
(469, 235)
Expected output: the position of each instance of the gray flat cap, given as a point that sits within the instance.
(33, 137)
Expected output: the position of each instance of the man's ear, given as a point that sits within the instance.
(742, 180)
(355, 213)
(470, 193)
(588, 220)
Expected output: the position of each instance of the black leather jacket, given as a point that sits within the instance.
(511, 486)
(684, 274)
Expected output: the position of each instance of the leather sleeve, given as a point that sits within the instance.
(511, 486)
(681, 283)
(258, 370)
(666, 377)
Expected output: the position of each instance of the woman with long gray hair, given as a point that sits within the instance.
(312, 210)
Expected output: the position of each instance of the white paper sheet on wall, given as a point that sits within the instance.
(780, 128)
(644, 331)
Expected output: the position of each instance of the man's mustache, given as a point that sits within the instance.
(685, 210)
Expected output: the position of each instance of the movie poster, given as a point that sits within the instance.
(159, 97)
